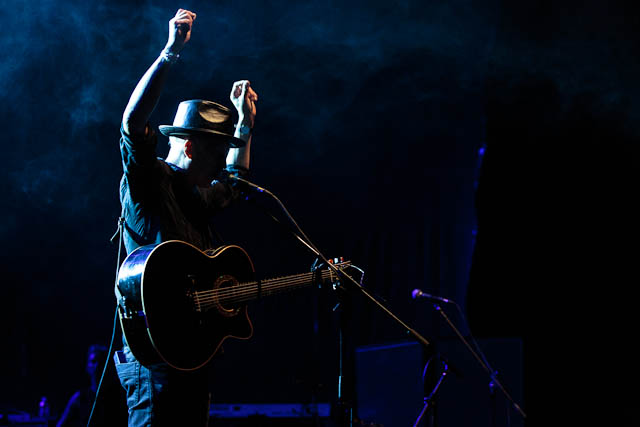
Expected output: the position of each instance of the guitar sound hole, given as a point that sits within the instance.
(227, 301)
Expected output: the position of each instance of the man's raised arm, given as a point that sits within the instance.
(244, 98)
(147, 92)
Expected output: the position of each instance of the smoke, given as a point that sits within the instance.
(72, 65)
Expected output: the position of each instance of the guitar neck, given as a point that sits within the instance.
(269, 287)
(243, 293)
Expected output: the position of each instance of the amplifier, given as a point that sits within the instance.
(270, 414)
(22, 419)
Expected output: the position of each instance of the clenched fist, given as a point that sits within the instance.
(244, 98)
(180, 30)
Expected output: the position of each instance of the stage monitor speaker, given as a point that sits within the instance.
(467, 400)
(390, 391)
(389, 388)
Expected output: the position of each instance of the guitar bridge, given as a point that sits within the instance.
(193, 296)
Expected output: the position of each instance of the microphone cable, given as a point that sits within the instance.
(115, 318)
(315, 250)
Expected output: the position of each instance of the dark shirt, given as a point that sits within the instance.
(158, 204)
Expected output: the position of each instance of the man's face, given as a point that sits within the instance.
(209, 158)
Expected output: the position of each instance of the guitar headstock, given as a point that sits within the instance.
(329, 274)
(340, 263)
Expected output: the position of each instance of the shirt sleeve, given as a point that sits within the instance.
(138, 151)
(140, 185)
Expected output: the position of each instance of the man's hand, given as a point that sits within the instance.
(180, 30)
(244, 98)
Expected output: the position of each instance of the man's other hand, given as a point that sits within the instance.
(180, 30)
(244, 98)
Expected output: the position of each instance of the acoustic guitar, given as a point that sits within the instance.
(177, 304)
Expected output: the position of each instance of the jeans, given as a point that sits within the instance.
(158, 395)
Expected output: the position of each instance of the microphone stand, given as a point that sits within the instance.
(428, 399)
(492, 374)
(346, 407)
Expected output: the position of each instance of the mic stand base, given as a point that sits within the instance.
(495, 382)
(428, 399)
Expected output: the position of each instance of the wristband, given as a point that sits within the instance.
(237, 169)
(169, 56)
(244, 129)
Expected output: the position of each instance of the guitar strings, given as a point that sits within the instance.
(304, 276)
(232, 294)
(266, 284)
(235, 301)
(247, 291)
(245, 295)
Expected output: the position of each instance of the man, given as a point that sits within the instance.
(174, 199)
(109, 410)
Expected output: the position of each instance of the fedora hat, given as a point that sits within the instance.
(198, 117)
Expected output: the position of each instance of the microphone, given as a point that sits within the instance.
(246, 183)
(417, 293)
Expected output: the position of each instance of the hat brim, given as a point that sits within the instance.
(182, 132)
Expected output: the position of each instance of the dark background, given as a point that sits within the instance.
(372, 124)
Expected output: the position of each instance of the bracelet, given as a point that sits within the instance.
(237, 169)
(244, 129)
(169, 56)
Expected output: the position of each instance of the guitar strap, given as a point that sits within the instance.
(119, 232)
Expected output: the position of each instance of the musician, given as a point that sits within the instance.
(109, 410)
(174, 198)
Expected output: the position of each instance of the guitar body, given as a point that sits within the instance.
(162, 312)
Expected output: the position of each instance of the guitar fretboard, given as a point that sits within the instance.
(243, 293)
